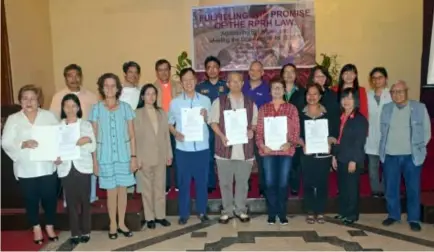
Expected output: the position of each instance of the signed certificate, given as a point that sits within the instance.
(275, 132)
(192, 124)
(316, 136)
(69, 135)
(236, 126)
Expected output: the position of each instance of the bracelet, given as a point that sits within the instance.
(133, 156)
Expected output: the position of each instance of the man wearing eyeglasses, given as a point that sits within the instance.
(405, 132)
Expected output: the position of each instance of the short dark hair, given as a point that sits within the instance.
(143, 92)
(162, 62)
(75, 99)
(354, 92)
(211, 59)
(279, 80)
(185, 71)
(72, 67)
(126, 66)
(380, 70)
(101, 81)
(314, 85)
(324, 71)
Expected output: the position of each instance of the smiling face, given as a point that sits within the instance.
(235, 82)
(319, 77)
(110, 88)
(349, 77)
(347, 102)
(132, 76)
(313, 95)
(399, 92)
(189, 81)
(379, 80)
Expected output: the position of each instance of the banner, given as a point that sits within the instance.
(275, 34)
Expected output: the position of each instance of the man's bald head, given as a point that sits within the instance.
(399, 92)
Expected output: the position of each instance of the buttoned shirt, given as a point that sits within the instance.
(175, 118)
(17, 130)
(212, 91)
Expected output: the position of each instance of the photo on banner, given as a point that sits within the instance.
(275, 34)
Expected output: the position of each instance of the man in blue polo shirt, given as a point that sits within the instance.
(212, 87)
(191, 156)
(258, 90)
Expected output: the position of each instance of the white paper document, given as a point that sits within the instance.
(316, 136)
(48, 143)
(236, 126)
(69, 135)
(192, 124)
(275, 132)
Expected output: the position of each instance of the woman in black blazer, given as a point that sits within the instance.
(349, 155)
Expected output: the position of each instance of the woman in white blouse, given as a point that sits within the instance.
(37, 179)
(76, 174)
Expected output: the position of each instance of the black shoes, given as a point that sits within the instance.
(74, 241)
(163, 222)
(151, 224)
(294, 193)
(387, 222)
(39, 242)
(414, 226)
(182, 221)
(85, 238)
(113, 236)
(283, 221)
(377, 195)
(211, 189)
(271, 220)
(339, 217)
(203, 218)
(125, 233)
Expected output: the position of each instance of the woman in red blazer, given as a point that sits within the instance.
(348, 79)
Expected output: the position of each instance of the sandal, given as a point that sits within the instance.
(310, 219)
(320, 219)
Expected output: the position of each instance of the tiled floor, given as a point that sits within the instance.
(367, 234)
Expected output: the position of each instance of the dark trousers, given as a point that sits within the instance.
(192, 165)
(349, 191)
(393, 167)
(294, 175)
(315, 183)
(276, 172)
(212, 176)
(260, 165)
(171, 174)
(40, 189)
(77, 192)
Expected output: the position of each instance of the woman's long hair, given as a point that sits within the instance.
(141, 103)
(75, 99)
(347, 68)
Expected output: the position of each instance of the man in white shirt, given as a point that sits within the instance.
(131, 95)
(73, 80)
(130, 88)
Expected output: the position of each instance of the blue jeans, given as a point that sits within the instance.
(276, 174)
(172, 169)
(191, 165)
(212, 173)
(393, 167)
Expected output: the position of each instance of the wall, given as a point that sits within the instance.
(30, 45)
(102, 34)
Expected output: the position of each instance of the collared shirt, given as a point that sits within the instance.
(175, 118)
(212, 91)
(17, 130)
(87, 100)
(260, 95)
(293, 127)
(344, 119)
(214, 117)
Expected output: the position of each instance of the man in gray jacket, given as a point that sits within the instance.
(405, 132)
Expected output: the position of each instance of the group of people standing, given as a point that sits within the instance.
(134, 133)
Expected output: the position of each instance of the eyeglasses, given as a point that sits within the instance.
(402, 91)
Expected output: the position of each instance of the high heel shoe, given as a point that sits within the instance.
(125, 233)
(53, 239)
(39, 242)
(113, 236)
